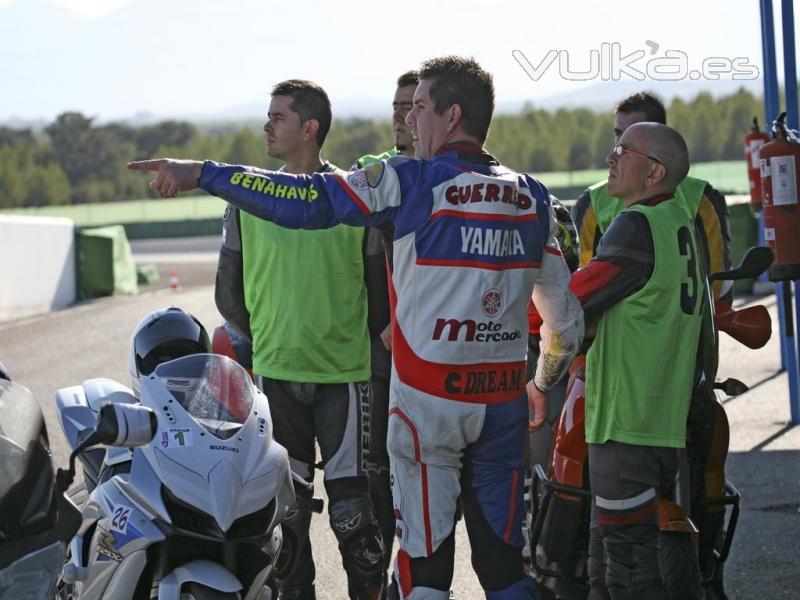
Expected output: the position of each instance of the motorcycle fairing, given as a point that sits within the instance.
(254, 466)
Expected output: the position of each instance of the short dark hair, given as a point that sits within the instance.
(645, 103)
(309, 101)
(408, 78)
(462, 81)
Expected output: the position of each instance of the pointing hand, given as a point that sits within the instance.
(172, 176)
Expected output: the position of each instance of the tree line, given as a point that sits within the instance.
(74, 160)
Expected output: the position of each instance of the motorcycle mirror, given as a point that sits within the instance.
(732, 387)
(124, 425)
(754, 263)
(118, 424)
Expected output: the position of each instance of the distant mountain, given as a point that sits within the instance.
(139, 62)
(598, 97)
(603, 96)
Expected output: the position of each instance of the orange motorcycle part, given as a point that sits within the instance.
(672, 517)
(221, 344)
(752, 326)
(570, 451)
(715, 466)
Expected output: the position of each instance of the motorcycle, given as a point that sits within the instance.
(698, 523)
(36, 519)
(193, 511)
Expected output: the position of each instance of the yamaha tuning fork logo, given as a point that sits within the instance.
(492, 303)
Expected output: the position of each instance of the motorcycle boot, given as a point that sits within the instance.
(524, 588)
(294, 566)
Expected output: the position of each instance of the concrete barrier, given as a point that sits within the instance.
(38, 265)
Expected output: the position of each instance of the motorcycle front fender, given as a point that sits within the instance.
(204, 572)
(672, 517)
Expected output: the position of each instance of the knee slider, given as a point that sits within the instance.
(363, 554)
(359, 537)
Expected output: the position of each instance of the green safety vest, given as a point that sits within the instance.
(307, 300)
(640, 368)
(689, 193)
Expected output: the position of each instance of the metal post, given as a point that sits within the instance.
(770, 113)
(768, 54)
(789, 63)
(790, 84)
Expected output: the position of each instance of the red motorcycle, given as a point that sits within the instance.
(698, 523)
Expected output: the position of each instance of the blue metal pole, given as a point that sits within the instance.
(790, 85)
(789, 63)
(770, 113)
(770, 71)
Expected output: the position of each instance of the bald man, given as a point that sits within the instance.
(644, 292)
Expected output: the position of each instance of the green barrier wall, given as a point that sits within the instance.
(744, 231)
(169, 229)
(105, 263)
(744, 234)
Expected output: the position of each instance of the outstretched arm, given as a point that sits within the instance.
(368, 196)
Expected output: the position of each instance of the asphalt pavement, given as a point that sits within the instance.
(188, 258)
(764, 464)
(91, 339)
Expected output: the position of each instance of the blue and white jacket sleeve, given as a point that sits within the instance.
(368, 196)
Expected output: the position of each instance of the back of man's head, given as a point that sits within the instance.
(645, 103)
(462, 81)
(408, 78)
(309, 101)
(668, 146)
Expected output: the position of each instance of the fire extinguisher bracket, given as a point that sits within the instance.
(780, 182)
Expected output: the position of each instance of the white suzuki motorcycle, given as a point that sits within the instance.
(191, 512)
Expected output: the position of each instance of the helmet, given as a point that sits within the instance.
(164, 335)
(566, 234)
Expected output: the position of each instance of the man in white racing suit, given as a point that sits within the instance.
(472, 241)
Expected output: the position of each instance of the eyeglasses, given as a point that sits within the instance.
(619, 150)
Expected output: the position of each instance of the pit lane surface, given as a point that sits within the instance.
(91, 339)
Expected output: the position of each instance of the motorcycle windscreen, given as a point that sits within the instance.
(213, 389)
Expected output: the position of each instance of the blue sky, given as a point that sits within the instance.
(116, 58)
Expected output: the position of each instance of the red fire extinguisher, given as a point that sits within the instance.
(752, 144)
(780, 182)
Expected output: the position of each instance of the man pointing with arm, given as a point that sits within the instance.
(471, 239)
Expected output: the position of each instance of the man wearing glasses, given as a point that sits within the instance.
(644, 291)
(596, 208)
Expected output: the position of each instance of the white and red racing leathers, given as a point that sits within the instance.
(473, 242)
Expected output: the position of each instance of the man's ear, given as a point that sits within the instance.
(453, 117)
(310, 129)
(656, 175)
